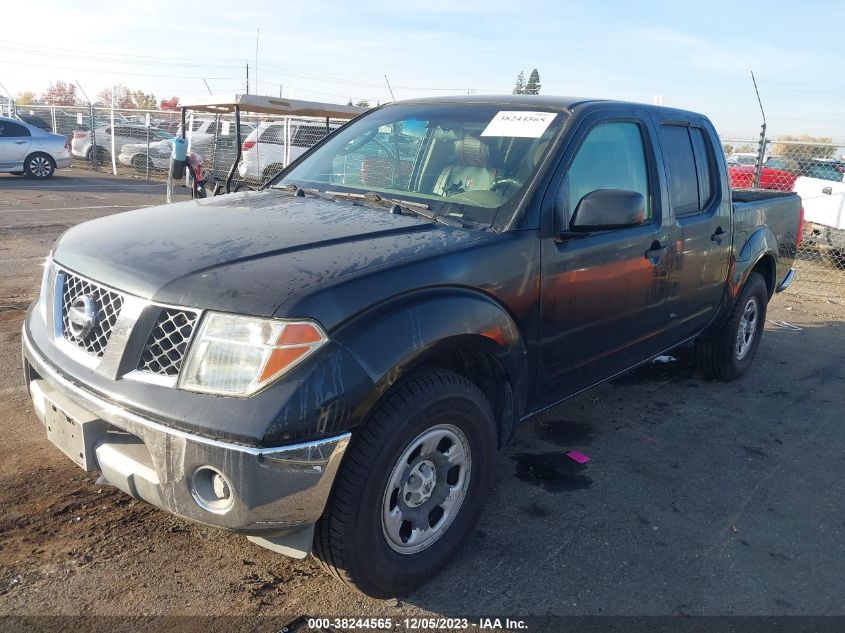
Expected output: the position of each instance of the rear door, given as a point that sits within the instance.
(701, 233)
(15, 140)
(603, 293)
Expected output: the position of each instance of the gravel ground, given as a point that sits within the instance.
(700, 498)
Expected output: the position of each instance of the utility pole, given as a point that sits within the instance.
(247, 78)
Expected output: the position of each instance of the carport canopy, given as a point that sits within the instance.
(269, 105)
(259, 104)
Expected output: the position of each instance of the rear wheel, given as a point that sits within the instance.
(412, 486)
(101, 156)
(727, 353)
(39, 165)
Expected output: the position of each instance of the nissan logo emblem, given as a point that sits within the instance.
(82, 316)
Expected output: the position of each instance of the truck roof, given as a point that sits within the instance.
(544, 101)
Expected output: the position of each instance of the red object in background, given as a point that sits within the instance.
(247, 145)
(742, 177)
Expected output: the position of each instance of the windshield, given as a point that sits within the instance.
(468, 161)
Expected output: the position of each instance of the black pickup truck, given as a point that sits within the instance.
(330, 364)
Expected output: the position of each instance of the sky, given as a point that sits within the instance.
(695, 55)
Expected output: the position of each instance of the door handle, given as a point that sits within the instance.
(719, 235)
(828, 191)
(21, 142)
(656, 251)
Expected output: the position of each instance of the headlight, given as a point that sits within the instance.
(237, 355)
(42, 296)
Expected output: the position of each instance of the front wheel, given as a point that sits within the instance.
(412, 486)
(39, 166)
(727, 353)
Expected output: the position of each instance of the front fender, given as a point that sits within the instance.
(391, 338)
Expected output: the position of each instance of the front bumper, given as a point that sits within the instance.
(272, 490)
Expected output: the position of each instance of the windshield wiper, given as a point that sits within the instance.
(399, 207)
(301, 192)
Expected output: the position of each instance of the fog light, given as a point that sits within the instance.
(211, 490)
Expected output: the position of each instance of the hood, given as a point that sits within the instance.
(246, 252)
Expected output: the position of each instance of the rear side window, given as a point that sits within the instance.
(611, 157)
(691, 167)
(9, 129)
(273, 134)
(679, 159)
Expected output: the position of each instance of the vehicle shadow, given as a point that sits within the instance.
(699, 497)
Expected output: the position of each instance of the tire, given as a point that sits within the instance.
(18, 173)
(724, 354)
(39, 166)
(139, 162)
(357, 539)
(101, 156)
(836, 258)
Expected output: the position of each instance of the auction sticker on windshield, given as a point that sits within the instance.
(518, 123)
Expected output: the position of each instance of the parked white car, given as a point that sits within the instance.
(263, 151)
(28, 150)
(82, 145)
(202, 142)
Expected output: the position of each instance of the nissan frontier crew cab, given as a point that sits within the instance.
(329, 364)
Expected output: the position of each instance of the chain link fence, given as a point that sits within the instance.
(138, 142)
(815, 169)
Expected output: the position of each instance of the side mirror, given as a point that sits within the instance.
(606, 209)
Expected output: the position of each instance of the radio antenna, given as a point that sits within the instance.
(389, 88)
(761, 150)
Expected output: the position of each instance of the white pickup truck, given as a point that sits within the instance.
(824, 214)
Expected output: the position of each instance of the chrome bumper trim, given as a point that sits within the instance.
(787, 279)
(274, 489)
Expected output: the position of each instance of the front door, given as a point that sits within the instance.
(603, 292)
(14, 144)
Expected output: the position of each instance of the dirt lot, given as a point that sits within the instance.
(701, 498)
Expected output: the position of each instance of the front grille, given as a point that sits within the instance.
(107, 306)
(166, 345)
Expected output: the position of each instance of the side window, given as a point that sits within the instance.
(704, 159)
(273, 134)
(685, 189)
(197, 125)
(9, 129)
(611, 157)
(308, 135)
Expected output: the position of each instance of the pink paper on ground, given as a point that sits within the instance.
(578, 457)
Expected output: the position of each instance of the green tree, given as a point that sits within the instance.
(532, 87)
(519, 88)
(25, 98)
(144, 101)
(362, 103)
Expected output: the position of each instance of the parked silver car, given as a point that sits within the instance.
(125, 133)
(25, 149)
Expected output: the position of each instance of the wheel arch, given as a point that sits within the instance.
(758, 254)
(460, 330)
